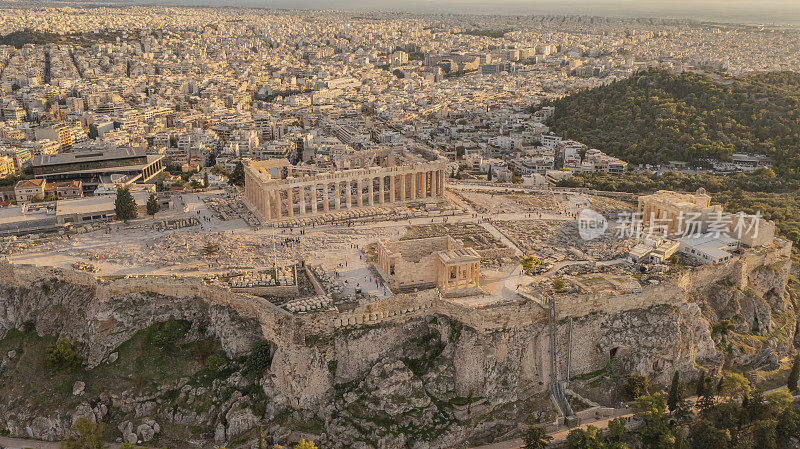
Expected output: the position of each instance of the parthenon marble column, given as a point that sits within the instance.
(392, 187)
(276, 194)
(348, 193)
(360, 193)
(314, 199)
(337, 195)
(381, 197)
(413, 186)
(326, 202)
(267, 210)
(302, 200)
(289, 202)
(403, 187)
(371, 191)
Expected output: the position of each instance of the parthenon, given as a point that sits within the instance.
(276, 190)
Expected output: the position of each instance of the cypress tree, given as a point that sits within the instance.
(701, 384)
(676, 392)
(153, 206)
(125, 205)
(794, 375)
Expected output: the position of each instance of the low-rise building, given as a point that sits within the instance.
(27, 190)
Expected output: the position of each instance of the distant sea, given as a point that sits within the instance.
(768, 12)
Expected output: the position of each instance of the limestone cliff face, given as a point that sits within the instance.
(74, 312)
(476, 385)
(656, 342)
(429, 375)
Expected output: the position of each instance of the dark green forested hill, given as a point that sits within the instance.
(658, 116)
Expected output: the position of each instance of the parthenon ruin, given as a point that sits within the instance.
(277, 190)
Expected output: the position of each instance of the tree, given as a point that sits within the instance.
(734, 385)
(779, 400)
(706, 402)
(153, 206)
(205, 179)
(794, 375)
(617, 432)
(303, 444)
(125, 205)
(489, 175)
(706, 435)
(676, 392)
(655, 431)
(237, 176)
(558, 284)
(637, 385)
(788, 427)
(585, 439)
(89, 433)
(701, 384)
(536, 438)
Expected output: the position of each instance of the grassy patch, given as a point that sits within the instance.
(152, 357)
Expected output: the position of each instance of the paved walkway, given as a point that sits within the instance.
(19, 443)
(559, 435)
(16, 443)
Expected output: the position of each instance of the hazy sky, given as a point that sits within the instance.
(743, 11)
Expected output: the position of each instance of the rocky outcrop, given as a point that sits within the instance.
(425, 377)
(97, 327)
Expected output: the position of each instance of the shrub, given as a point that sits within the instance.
(259, 358)
(90, 435)
(214, 363)
(637, 385)
(168, 334)
(62, 355)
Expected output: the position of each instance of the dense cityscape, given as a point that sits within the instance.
(247, 228)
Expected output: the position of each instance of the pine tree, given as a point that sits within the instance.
(205, 179)
(676, 392)
(489, 176)
(153, 206)
(794, 375)
(125, 205)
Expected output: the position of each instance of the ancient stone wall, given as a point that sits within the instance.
(654, 332)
